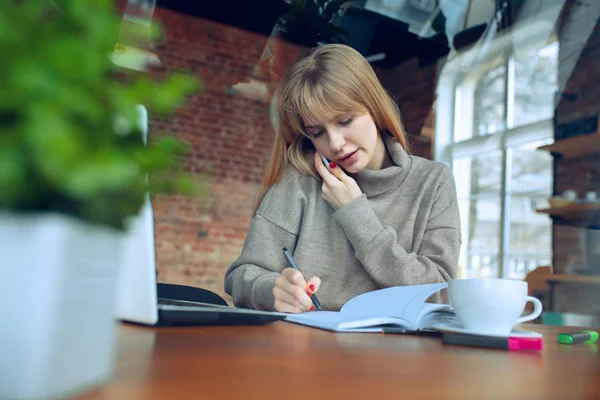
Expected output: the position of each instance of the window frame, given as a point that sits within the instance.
(456, 77)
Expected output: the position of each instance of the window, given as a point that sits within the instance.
(499, 113)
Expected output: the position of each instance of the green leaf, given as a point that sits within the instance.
(12, 176)
(105, 172)
(53, 142)
(61, 94)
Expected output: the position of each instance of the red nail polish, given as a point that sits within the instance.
(312, 308)
(332, 165)
(311, 287)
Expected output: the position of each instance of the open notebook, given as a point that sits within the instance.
(398, 306)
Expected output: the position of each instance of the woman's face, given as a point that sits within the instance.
(351, 140)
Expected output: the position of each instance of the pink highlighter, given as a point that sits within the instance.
(492, 342)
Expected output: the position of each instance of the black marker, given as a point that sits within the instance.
(292, 263)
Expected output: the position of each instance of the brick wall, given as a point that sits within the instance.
(231, 137)
(413, 88)
(580, 174)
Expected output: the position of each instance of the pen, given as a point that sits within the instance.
(293, 264)
(493, 342)
(577, 337)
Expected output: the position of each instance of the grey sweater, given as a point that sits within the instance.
(403, 230)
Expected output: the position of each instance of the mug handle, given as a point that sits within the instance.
(537, 310)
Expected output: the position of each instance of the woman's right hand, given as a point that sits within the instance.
(292, 293)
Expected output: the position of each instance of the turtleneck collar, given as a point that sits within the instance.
(375, 182)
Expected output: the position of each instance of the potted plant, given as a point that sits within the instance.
(74, 169)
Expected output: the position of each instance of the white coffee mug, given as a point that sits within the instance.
(491, 306)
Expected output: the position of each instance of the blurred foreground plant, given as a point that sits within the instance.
(70, 139)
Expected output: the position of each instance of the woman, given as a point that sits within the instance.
(379, 218)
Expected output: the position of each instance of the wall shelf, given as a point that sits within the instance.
(582, 215)
(554, 280)
(580, 279)
(575, 147)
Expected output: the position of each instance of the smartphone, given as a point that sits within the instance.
(325, 161)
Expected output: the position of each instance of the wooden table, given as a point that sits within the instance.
(557, 279)
(283, 361)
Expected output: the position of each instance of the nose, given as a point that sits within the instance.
(336, 140)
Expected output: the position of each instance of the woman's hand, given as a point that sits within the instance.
(292, 293)
(338, 188)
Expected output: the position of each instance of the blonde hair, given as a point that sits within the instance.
(331, 80)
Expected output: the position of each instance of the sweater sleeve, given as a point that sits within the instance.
(388, 263)
(250, 279)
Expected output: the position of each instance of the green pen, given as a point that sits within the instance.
(578, 337)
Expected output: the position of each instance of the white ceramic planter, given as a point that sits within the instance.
(57, 290)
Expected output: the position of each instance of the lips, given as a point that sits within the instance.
(342, 159)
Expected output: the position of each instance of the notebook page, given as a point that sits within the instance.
(429, 308)
(403, 302)
(438, 317)
(318, 319)
(399, 305)
(334, 321)
(375, 323)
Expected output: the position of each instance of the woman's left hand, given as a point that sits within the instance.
(338, 188)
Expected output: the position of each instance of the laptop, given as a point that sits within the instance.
(137, 294)
(137, 297)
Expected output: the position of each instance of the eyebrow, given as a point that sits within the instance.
(312, 126)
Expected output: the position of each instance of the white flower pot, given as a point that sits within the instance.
(57, 290)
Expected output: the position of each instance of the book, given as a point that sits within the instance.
(402, 307)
